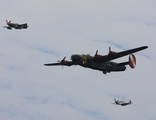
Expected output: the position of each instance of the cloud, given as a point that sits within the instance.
(116, 45)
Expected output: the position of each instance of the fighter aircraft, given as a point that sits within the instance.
(122, 103)
(102, 63)
(15, 25)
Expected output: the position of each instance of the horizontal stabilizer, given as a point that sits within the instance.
(123, 63)
(131, 62)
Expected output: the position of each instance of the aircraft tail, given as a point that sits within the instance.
(130, 102)
(131, 62)
(24, 25)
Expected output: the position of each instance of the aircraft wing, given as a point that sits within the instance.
(121, 102)
(116, 55)
(67, 63)
(7, 27)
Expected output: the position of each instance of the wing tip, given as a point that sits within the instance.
(46, 64)
(145, 47)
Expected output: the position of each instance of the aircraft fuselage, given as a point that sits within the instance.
(17, 26)
(88, 62)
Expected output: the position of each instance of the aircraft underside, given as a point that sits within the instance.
(104, 67)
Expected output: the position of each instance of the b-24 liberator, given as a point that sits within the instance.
(100, 62)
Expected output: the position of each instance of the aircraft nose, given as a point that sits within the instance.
(73, 57)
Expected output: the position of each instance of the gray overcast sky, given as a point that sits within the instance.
(57, 28)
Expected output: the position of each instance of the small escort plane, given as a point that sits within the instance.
(15, 25)
(122, 103)
(102, 63)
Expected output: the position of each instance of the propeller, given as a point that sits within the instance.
(62, 61)
(96, 54)
(110, 52)
(8, 22)
(116, 101)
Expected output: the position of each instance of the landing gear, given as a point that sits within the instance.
(104, 72)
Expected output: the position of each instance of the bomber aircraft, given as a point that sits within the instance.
(15, 25)
(122, 103)
(102, 63)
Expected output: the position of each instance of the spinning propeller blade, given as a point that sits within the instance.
(110, 52)
(62, 61)
(96, 54)
(109, 49)
(8, 22)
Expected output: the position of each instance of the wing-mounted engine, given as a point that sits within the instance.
(132, 61)
(97, 55)
(111, 52)
(63, 61)
(99, 58)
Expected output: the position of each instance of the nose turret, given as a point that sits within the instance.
(75, 58)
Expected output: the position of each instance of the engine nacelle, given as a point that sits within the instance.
(132, 61)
